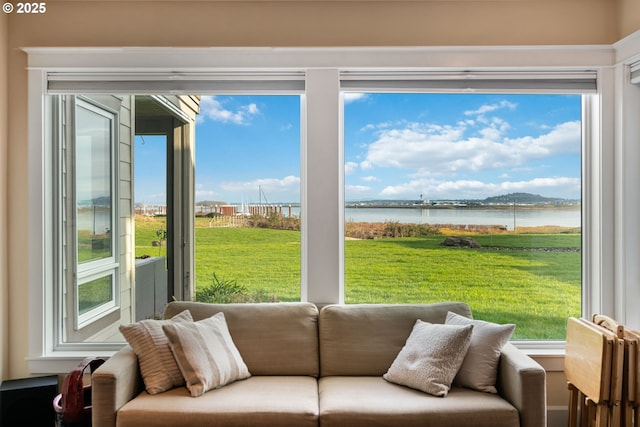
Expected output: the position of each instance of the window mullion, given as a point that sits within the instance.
(322, 190)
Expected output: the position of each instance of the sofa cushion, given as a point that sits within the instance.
(273, 338)
(264, 401)
(431, 357)
(206, 354)
(157, 365)
(364, 339)
(479, 369)
(372, 401)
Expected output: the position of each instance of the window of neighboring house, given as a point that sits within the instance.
(88, 206)
(466, 197)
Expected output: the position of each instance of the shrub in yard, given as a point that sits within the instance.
(274, 221)
(377, 230)
(229, 291)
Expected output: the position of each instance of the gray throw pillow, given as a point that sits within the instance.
(430, 357)
(479, 369)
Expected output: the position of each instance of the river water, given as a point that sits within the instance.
(505, 217)
(525, 217)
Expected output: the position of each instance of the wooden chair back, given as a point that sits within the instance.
(602, 366)
(594, 363)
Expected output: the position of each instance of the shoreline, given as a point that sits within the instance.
(452, 207)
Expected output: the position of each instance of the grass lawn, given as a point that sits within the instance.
(532, 280)
(537, 290)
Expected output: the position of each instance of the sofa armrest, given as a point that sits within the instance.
(522, 381)
(113, 384)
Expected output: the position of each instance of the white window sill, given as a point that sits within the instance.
(63, 362)
(551, 361)
(549, 356)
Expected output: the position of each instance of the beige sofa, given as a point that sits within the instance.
(313, 367)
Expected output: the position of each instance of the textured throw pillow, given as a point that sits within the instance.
(479, 369)
(206, 354)
(431, 357)
(157, 365)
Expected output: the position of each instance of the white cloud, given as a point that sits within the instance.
(436, 149)
(370, 179)
(358, 191)
(350, 167)
(543, 184)
(252, 109)
(211, 108)
(383, 125)
(489, 108)
(366, 165)
(353, 97)
(203, 194)
(475, 189)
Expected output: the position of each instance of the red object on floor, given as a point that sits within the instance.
(73, 404)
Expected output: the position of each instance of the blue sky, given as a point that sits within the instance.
(397, 146)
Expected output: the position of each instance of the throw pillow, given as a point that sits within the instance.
(157, 365)
(206, 354)
(431, 357)
(479, 369)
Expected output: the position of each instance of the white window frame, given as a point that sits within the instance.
(92, 270)
(321, 156)
(589, 102)
(98, 312)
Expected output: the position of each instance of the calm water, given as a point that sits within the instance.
(96, 221)
(502, 217)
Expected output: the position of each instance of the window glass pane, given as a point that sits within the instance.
(94, 293)
(151, 196)
(93, 184)
(248, 199)
(498, 177)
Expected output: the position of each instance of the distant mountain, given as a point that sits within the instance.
(521, 198)
(505, 199)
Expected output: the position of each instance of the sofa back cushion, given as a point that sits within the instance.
(365, 339)
(272, 338)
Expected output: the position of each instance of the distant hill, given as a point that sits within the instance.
(521, 198)
(505, 199)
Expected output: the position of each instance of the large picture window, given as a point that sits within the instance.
(466, 197)
(440, 145)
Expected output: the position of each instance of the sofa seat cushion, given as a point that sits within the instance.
(372, 401)
(257, 401)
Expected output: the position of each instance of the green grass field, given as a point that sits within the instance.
(532, 280)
